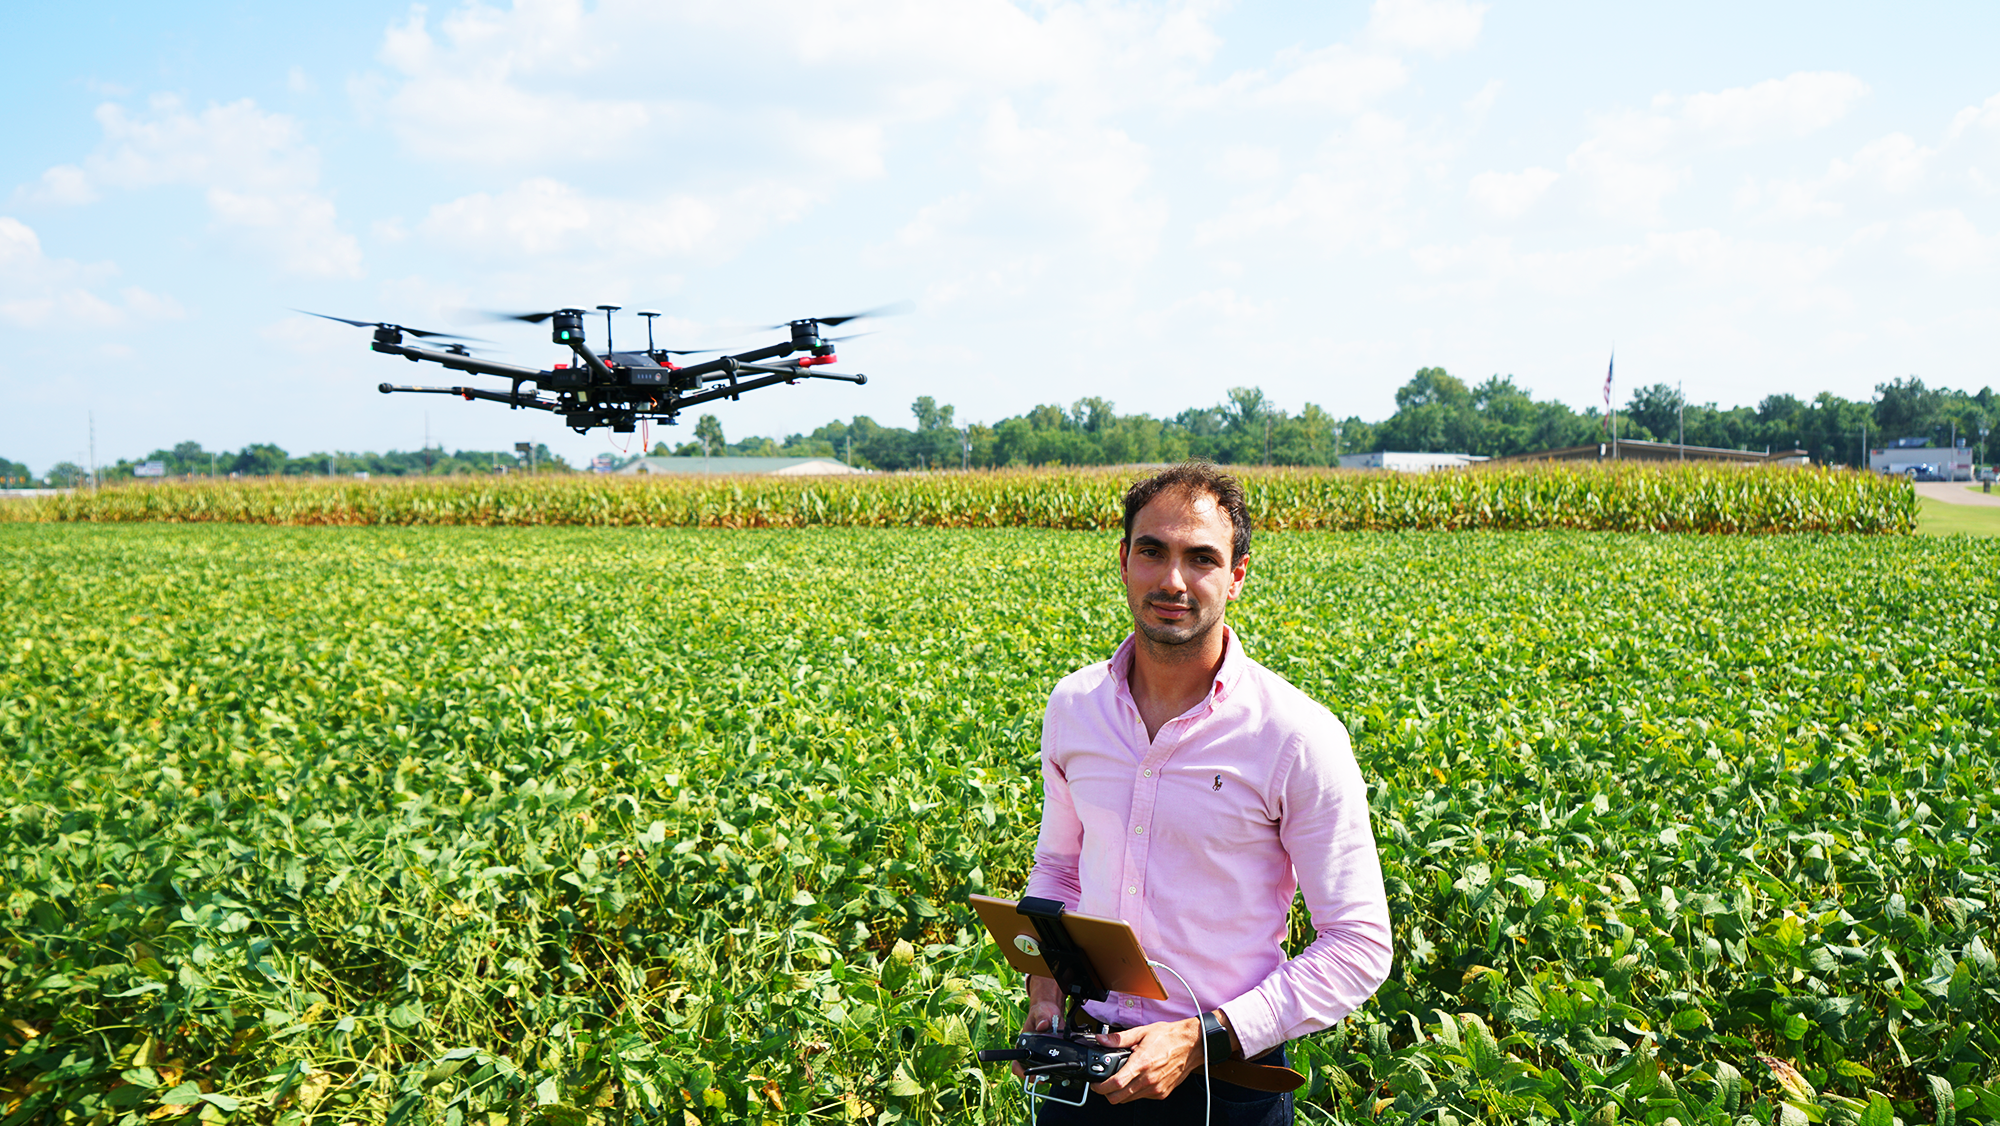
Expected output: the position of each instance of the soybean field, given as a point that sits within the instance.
(599, 824)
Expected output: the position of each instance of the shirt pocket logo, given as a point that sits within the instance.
(1218, 783)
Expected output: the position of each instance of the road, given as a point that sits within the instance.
(1955, 492)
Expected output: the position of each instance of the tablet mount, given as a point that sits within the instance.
(1066, 1058)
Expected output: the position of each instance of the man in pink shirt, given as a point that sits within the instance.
(1192, 792)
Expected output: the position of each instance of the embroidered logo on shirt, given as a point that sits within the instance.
(1218, 783)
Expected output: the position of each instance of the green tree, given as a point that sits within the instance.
(1507, 416)
(1905, 408)
(708, 432)
(1657, 409)
(1434, 414)
(259, 460)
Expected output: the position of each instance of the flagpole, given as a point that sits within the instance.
(1610, 413)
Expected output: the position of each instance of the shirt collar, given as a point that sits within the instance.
(1227, 675)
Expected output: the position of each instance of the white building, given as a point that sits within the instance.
(1949, 463)
(747, 466)
(1407, 462)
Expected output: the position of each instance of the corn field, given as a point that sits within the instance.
(1618, 498)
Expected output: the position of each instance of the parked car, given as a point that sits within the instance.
(1924, 473)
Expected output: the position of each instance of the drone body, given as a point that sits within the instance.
(619, 389)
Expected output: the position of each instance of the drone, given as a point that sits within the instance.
(619, 389)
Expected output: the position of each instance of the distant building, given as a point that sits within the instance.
(1407, 462)
(747, 466)
(1657, 451)
(1910, 455)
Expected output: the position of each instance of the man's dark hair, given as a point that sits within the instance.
(1195, 479)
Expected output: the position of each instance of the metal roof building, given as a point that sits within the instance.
(744, 466)
(1629, 450)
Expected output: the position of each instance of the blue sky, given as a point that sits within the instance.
(1147, 202)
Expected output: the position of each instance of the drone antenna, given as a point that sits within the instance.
(608, 310)
(649, 314)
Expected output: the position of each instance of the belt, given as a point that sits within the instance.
(1256, 1076)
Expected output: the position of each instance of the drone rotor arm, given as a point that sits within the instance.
(457, 362)
(514, 399)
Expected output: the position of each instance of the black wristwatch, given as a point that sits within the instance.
(1215, 1038)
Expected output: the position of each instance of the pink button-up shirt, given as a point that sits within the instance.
(1200, 837)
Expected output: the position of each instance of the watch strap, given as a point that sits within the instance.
(1215, 1038)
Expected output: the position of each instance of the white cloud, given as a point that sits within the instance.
(259, 176)
(1508, 195)
(38, 292)
(1983, 117)
(1438, 27)
(1792, 106)
(484, 96)
(1354, 193)
(1894, 163)
(64, 185)
(1336, 78)
(1627, 168)
(1946, 240)
(542, 217)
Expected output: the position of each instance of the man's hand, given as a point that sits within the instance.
(1045, 1004)
(1162, 1056)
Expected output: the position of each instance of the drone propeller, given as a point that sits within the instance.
(531, 318)
(895, 309)
(418, 332)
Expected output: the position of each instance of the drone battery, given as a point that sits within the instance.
(650, 375)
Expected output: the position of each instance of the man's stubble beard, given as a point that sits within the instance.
(1171, 644)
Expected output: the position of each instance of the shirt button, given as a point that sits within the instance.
(1133, 890)
(1139, 828)
(1149, 772)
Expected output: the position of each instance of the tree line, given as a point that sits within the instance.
(263, 459)
(1436, 412)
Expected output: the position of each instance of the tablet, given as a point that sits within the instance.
(1113, 949)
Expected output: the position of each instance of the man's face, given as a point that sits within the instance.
(1176, 567)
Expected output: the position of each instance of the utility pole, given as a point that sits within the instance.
(92, 416)
(1336, 443)
(1680, 417)
(1267, 439)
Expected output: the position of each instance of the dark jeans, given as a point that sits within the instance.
(1233, 1106)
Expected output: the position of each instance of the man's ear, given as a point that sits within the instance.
(1124, 551)
(1241, 573)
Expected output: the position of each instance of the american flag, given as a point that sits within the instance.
(1607, 391)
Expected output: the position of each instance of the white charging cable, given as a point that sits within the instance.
(1207, 1088)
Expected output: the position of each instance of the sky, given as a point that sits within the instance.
(1147, 202)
